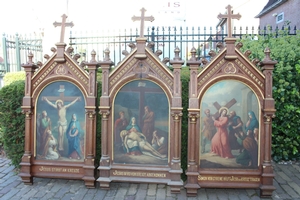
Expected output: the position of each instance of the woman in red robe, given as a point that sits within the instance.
(220, 141)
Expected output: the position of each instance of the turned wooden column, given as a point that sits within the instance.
(104, 108)
(193, 112)
(176, 114)
(27, 109)
(90, 108)
(267, 64)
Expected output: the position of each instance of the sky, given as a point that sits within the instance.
(37, 16)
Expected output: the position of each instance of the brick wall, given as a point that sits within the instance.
(291, 13)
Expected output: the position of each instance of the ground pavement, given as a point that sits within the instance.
(287, 183)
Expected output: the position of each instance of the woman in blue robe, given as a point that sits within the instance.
(73, 135)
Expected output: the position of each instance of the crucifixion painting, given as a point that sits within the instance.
(229, 129)
(60, 122)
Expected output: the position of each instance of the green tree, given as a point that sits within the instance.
(285, 49)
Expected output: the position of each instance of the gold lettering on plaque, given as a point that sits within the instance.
(143, 174)
(58, 169)
(228, 178)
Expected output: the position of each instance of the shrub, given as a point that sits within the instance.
(12, 121)
(285, 49)
(11, 77)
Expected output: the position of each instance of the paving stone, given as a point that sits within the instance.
(10, 194)
(151, 190)
(121, 193)
(161, 194)
(100, 194)
(290, 191)
(132, 189)
(141, 194)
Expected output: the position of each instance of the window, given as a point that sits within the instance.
(280, 18)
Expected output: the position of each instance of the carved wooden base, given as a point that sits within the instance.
(26, 178)
(266, 191)
(104, 183)
(191, 189)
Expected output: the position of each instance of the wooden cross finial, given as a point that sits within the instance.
(229, 17)
(143, 18)
(63, 25)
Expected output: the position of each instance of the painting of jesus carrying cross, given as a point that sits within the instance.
(60, 123)
(229, 127)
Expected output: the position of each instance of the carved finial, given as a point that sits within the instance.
(106, 55)
(204, 61)
(239, 45)
(131, 45)
(212, 53)
(93, 54)
(166, 60)
(70, 50)
(53, 49)
(220, 46)
(46, 56)
(150, 45)
(193, 53)
(158, 53)
(247, 53)
(267, 54)
(39, 63)
(76, 57)
(255, 61)
(125, 52)
(82, 64)
(177, 51)
(30, 56)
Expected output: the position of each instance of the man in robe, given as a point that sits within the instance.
(208, 130)
(148, 126)
(235, 126)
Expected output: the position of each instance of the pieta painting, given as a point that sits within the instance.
(141, 124)
(229, 126)
(60, 123)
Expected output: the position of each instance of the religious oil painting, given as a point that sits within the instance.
(141, 124)
(229, 127)
(60, 123)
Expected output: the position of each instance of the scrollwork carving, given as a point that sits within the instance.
(193, 117)
(268, 117)
(91, 114)
(104, 114)
(176, 116)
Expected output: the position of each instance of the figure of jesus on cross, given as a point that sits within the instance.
(61, 107)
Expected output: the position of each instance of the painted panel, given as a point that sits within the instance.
(229, 126)
(141, 124)
(60, 123)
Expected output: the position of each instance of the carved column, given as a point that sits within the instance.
(176, 113)
(27, 109)
(192, 168)
(104, 166)
(89, 162)
(267, 187)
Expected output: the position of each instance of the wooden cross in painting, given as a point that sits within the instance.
(229, 17)
(228, 105)
(143, 19)
(63, 25)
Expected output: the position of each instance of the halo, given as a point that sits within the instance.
(62, 103)
(222, 108)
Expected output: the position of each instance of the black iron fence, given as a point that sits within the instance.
(16, 49)
(165, 39)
